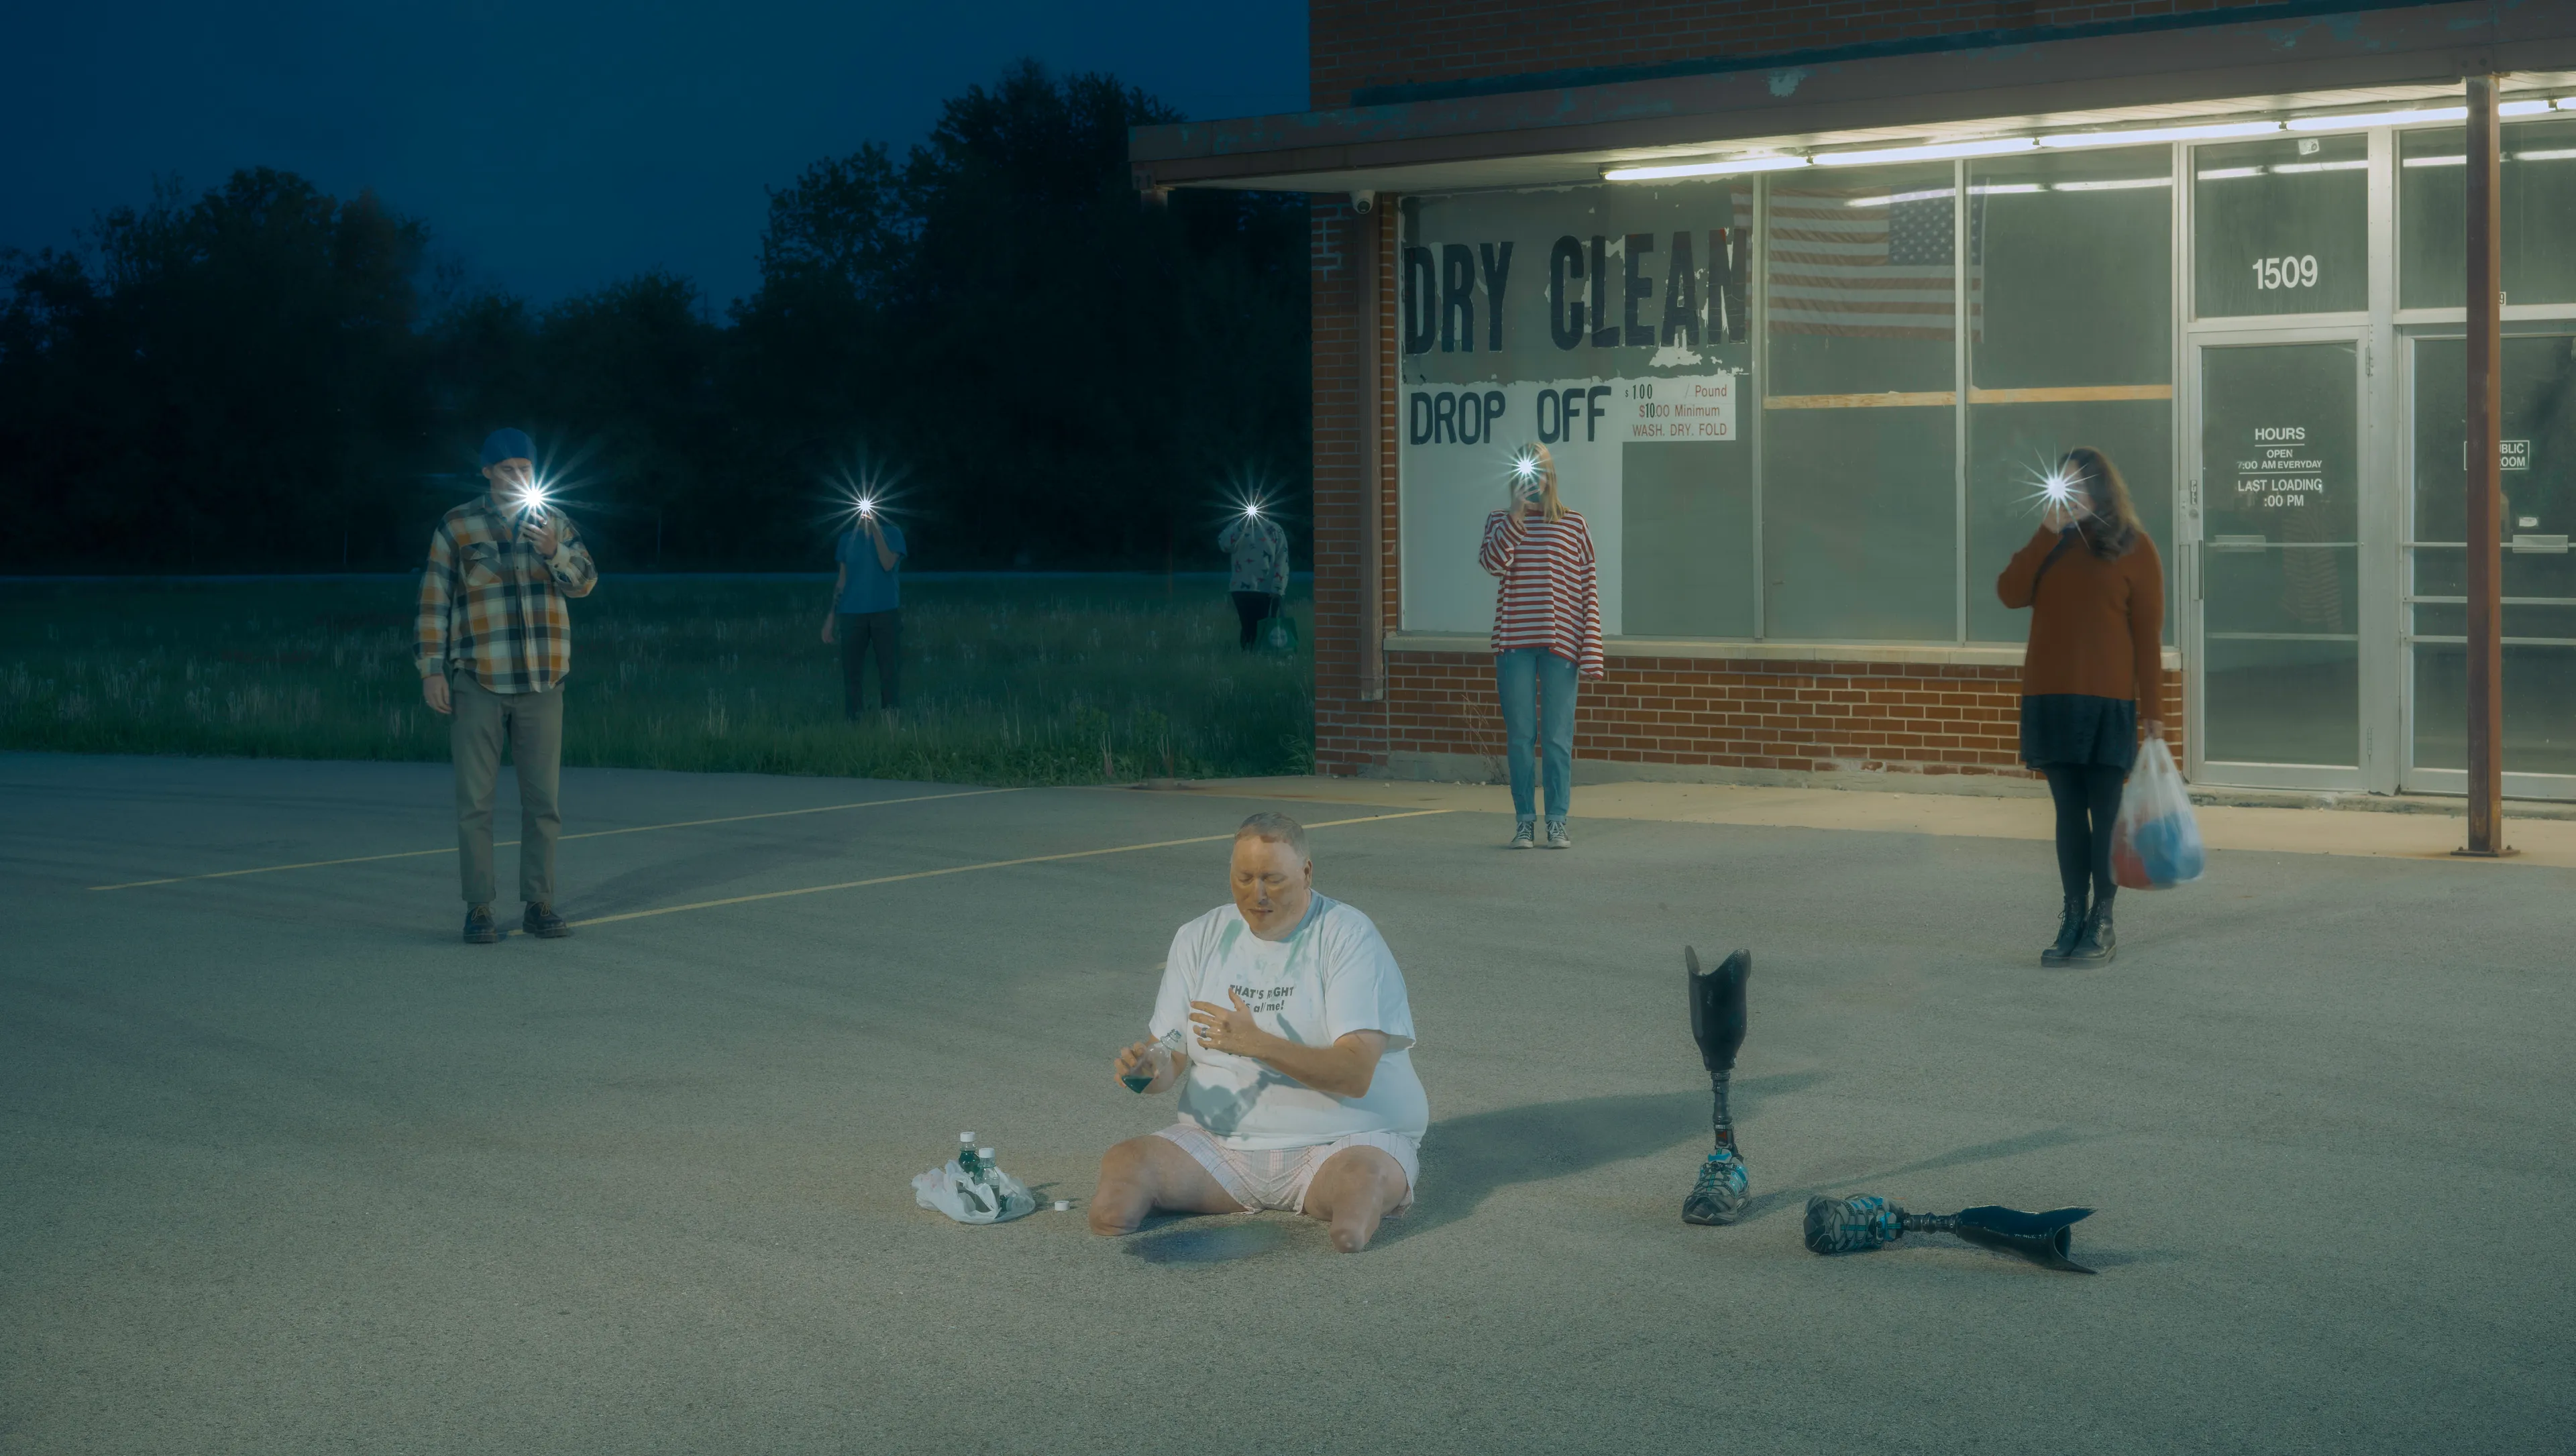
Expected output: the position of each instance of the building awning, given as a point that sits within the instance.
(1569, 127)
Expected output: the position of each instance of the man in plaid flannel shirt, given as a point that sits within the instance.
(495, 646)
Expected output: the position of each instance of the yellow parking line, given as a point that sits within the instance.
(315, 864)
(995, 864)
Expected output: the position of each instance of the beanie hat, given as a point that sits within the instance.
(507, 444)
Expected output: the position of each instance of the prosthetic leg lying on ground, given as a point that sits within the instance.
(1863, 1221)
(1717, 1022)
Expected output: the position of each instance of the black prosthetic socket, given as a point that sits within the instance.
(2042, 1238)
(1717, 1024)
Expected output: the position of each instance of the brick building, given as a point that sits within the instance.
(1805, 295)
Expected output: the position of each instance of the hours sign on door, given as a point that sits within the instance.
(2279, 469)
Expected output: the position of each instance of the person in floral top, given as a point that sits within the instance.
(1260, 569)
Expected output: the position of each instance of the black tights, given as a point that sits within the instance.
(2083, 791)
(1254, 608)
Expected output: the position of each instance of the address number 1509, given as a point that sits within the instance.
(2299, 272)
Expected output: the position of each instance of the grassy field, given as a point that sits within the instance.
(1035, 680)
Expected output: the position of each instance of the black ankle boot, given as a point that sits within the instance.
(2095, 946)
(2070, 929)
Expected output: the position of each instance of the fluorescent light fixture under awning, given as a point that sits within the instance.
(2112, 184)
(1729, 167)
(2217, 131)
(1935, 152)
(2361, 121)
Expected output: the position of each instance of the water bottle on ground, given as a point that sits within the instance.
(971, 1184)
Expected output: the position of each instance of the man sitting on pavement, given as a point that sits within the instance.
(1283, 1019)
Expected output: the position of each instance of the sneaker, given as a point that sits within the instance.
(1525, 836)
(1557, 838)
(543, 923)
(480, 928)
(1719, 1195)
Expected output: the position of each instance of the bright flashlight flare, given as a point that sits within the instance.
(533, 500)
(1525, 467)
(2052, 488)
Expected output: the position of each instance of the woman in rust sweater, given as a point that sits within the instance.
(2090, 675)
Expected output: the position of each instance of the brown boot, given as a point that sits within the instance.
(479, 926)
(542, 922)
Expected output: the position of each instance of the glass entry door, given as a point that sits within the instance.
(2539, 475)
(2279, 671)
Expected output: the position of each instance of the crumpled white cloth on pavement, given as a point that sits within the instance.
(950, 1191)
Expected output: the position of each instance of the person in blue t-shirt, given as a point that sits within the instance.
(867, 612)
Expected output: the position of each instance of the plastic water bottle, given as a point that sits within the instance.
(1158, 1061)
(986, 1174)
(966, 1157)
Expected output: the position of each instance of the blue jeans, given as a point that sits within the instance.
(1538, 701)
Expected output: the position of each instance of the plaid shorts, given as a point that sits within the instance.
(1277, 1177)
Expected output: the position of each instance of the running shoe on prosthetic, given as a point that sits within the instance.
(1717, 1023)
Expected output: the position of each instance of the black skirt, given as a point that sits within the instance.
(2077, 730)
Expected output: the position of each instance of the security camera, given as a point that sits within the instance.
(1363, 203)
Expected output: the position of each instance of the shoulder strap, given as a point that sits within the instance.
(2065, 539)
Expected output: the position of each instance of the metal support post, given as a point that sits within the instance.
(1372, 503)
(2485, 492)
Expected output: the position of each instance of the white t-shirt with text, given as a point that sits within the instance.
(1332, 976)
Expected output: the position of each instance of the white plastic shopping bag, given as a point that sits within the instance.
(998, 1199)
(2155, 844)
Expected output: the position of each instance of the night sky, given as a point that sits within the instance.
(554, 147)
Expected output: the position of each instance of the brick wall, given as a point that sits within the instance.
(1349, 730)
(1800, 717)
(1356, 43)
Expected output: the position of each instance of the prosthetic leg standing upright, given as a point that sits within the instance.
(1717, 1023)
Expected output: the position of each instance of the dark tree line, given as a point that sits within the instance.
(1048, 370)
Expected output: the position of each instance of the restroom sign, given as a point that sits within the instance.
(2510, 454)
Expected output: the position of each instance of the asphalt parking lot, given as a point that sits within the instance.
(290, 1169)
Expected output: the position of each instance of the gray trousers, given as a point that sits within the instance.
(532, 725)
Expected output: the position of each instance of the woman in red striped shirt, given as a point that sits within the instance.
(1547, 631)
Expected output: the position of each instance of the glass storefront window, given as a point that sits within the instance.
(2539, 707)
(1610, 324)
(2071, 344)
(1686, 510)
(1859, 491)
(1686, 530)
(2537, 199)
(2281, 226)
